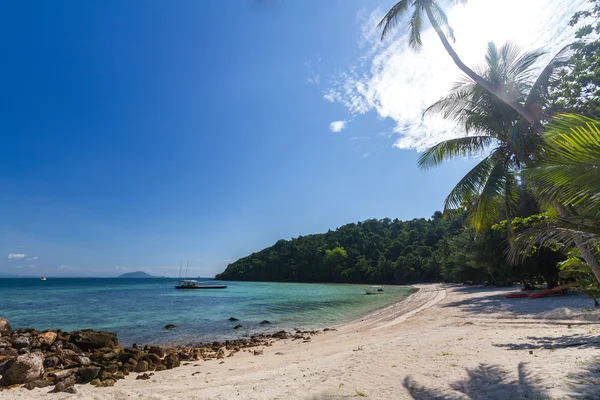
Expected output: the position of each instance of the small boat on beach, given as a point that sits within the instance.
(190, 284)
(374, 290)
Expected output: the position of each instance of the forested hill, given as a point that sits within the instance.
(383, 251)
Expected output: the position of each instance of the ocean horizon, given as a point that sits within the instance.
(138, 309)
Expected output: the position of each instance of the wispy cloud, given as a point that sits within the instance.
(16, 256)
(337, 126)
(397, 83)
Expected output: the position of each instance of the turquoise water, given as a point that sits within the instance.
(138, 309)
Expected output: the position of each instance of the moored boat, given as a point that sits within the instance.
(43, 278)
(374, 290)
(190, 284)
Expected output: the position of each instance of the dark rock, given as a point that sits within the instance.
(265, 322)
(233, 319)
(104, 375)
(24, 350)
(119, 375)
(20, 342)
(9, 353)
(71, 347)
(143, 376)
(62, 387)
(4, 327)
(106, 383)
(51, 361)
(62, 374)
(237, 327)
(82, 360)
(40, 383)
(22, 369)
(171, 361)
(88, 339)
(112, 368)
(258, 352)
(142, 366)
(169, 326)
(159, 351)
(161, 367)
(87, 374)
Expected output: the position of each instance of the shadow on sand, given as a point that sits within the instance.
(554, 343)
(483, 382)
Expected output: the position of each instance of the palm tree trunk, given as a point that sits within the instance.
(528, 115)
(586, 252)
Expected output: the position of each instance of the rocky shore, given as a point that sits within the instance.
(34, 359)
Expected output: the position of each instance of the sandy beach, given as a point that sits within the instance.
(445, 341)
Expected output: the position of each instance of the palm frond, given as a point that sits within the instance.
(442, 19)
(393, 17)
(553, 233)
(488, 205)
(468, 188)
(539, 89)
(467, 146)
(568, 166)
(416, 23)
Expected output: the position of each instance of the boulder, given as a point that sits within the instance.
(159, 351)
(142, 366)
(107, 383)
(22, 369)
(264, 322)
(237, 327)
(169, 326)
(233, 319)
(46, 339)
(89, 340)
(87, 374)
(4, 327)
(21, 342)
(144, 376)
(171, 361)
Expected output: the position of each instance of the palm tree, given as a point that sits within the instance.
(491, 187)
(565, 174)
(439, 21)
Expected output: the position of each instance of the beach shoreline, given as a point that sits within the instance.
(437, 342)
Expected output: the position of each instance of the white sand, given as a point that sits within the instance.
(446, 342)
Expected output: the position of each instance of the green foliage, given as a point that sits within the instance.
(385, 251)
(576, 270)
(578, 88)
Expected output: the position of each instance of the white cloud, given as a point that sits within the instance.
(16, 256)
(32, 258)
(63, 266)
(337, 126)
(398, 83)
(365, 155)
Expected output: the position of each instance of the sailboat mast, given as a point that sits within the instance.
(186, 268)
(180, 267)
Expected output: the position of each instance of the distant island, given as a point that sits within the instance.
(137, 274)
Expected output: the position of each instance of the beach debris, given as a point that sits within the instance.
(265, 322)
(359, 348)
(169, 326)
(258, 352)
(279, 353)
(233, 319)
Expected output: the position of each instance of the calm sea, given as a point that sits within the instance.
(138, 309)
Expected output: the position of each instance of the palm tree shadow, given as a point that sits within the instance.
(483, 382)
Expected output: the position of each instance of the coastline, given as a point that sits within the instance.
(432, 343)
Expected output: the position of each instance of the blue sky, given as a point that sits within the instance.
(134, 134)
